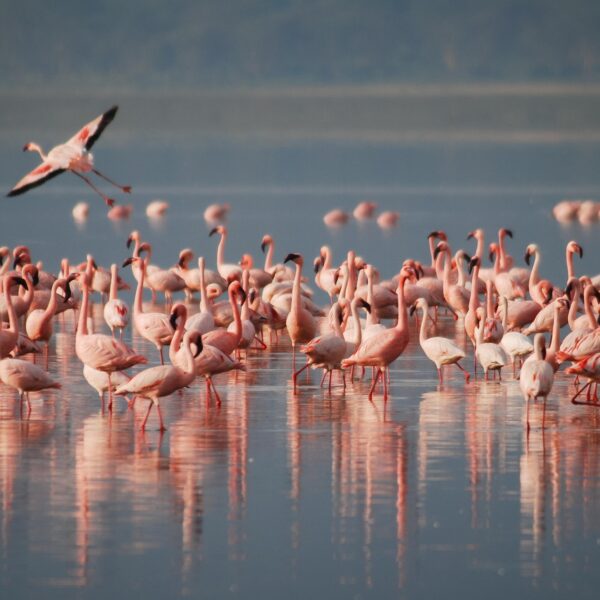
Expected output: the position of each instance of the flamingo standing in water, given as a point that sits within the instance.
(116, 311)
(382, 349)
(101, 352)
(163, 380)
(74, 156)
(537, 376)
(300, 323)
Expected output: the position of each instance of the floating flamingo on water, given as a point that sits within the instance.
(74, 155)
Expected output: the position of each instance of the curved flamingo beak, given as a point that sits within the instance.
(128, 262)
(263, 247)
(292, 256)
(579, 250)
(243, 295)
(199, 345)
(508, 232)
(365, 305)
(437, 251)
(20, 281)
(471, 235)
(213, 231)
(129, 242)
(528, 257)
(173, 319)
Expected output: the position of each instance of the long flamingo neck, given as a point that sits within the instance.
(51, 308)
(296, 289)
(534, 278)
(221, 250)
(432, 252)
(372, 318)
(572, 316)
(139, 291)
(501, 251)
(480, 246)
(423, 328)
(402, 324)
(205, 305)
(113, 283)
(587, 306)
(236, 317)
(12, 315)
(245, 312)
(357, 327)
(328, 259)
(505, 313)
(33, 147)
(497, 268)
(83, 311)
(489, 298)
(350, 289)
(555, 341)
(447, 261)
(570, 267)
(269, 257)
(474, 298)
(461, 273)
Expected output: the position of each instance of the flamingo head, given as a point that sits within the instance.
(246, 262)
(195, 338)
(441, 247)
(30, 269)
(529, 251)
(318, 263)
(438, 235)
(179, 311)
(220, 229)
(574, 248)
(130, 261)
(184, 257)
(266, 241)
(546, 289)
(363, 304)
(505, 232)
(295, 258)
(134, 236)
(476, 234)
(474, 262)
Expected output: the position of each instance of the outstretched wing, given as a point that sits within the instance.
(39, 175)
(88, 134)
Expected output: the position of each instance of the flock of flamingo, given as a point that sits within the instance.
(499, 307)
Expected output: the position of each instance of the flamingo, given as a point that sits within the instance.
(493, 328)
(166, 281)
(228, 341)
(514, 343)
(326, 351)
(439, 350)
(388, 219)
(203, 321)
(456, 295)
(157, 382)
(99, 351)
(588, 367)
(226, 270)
(540, 290)
(364, 210)
(192, 276)
(74, 156)
(490, 356)
(116, 311)
(383, 348)
(25, 377)
(300, 323)
(153, 326)
(38, 325)
(99, 380)
(537, 376)
(9, 337)
(571, 249)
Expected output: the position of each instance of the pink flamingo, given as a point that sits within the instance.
(9, 337)
(228, 341)
(25, 377)
(588, 367)
(153, 326)
(157, 382)
(457, 296)
(537, 376)
(116, 311)
(383, 348)
(74, 156)
(226, 270)
(101, 352)
(300, 323)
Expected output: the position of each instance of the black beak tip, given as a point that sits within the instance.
(213, 231)
(509, 233)
(263, 247)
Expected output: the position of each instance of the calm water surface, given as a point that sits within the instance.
(436, 493)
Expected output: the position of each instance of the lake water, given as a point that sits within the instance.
(436, 493)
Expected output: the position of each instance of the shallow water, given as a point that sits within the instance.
(434, 493)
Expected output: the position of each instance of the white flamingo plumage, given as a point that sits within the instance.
(537, 376)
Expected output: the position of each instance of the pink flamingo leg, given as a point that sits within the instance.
(143, 426)
(375, 380)
(109, 201)
(124, 188)
(162, 425)
(467, 376)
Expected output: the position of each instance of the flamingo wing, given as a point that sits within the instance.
(86, 137)
(39, 175)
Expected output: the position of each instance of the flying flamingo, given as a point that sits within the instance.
(73, 156)
(116, 311)
(385, 347)
(163, 380)
(439, 350)
(153, 326)
(537, 376)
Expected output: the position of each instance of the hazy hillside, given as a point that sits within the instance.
(219, 42)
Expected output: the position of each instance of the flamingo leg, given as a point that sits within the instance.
(574, 398)
(143, 425)
(375, 380)
(124, 188)
(527, 412)
(544, 414)
(162, 425)
(330, 376)
(385, 385)
(467, 376)
(323, 377)
(216, 393)
(110, 392)
(344, 379)
(109, 201)
(263, 346)
(296, 373)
